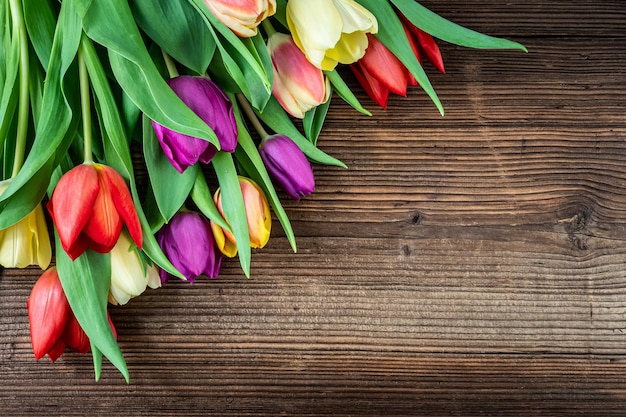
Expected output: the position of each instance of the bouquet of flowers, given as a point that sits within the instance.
(223, 100)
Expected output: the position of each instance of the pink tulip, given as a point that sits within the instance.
(242, 16)
(298, 85)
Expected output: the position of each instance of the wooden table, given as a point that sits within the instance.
(473, 264)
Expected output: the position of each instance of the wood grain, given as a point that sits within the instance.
(471, 264)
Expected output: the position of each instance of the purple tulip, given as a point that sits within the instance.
(209, 102)
(287, 165)
(188, 243)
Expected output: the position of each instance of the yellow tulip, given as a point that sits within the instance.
(330, 31)
(27, 242)
(129, 274)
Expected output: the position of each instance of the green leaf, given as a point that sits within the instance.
(201, 196)
(189, 40)
(313, 121)
(171, 188)
(275, 117)
(281, 12)
(57, 125)
(10, 83)
(247, 154)
(86, 282)
(112, 25)
(448, 31)
(343, 91)
(40, 23)
(233, 206)
(391, 34)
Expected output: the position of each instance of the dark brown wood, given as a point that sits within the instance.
(472, 264)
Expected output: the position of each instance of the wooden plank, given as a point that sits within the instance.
(464, 265)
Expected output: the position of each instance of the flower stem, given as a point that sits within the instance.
(24, 102)
(269, 28)
(252, 116)
(171, 65)
(85, 105)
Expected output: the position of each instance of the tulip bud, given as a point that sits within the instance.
(129, 273)
(257, 214)
(48, 313)
(287, 165)
(27, 242)
(242, 16)
(89, 205)
(330, 31)
(298, 85)
(188, 243)
(208, 101)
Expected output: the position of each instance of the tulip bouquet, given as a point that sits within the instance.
(223, 100)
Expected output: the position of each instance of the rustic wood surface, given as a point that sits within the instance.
(473, 264)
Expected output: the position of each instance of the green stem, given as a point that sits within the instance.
(252, 116)
(23, 110)
(267, 26)
(171, 65)
(85, 105)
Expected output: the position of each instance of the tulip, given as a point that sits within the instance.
(287, 165)
(208, 101)
(242, 16)
(53, 326)
(188, 243)
(330, 31)
(425, 42)
(298, 85)
(257, 214)
(27, 242)
(130, 274)
(379, 72)
(89, 205)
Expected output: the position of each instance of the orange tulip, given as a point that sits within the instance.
(89, 205)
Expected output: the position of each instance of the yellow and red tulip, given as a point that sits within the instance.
(298, 85)
(89, 205)
(257, 213)
(330, 31)
(242, 16)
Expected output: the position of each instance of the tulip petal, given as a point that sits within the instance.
(181, 150)
(208, 101)
(56, 351)
(123, 202)
(189, 244)
(48, 311)
(374, 89)
(355, 17)
(298, 85)
(257, 213)
(72, 202)
(314, 40)
(287, 165)
(385, 67)
(75, 337)
(105, 224)
(225, 246)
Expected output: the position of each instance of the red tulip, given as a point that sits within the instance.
(53, 326)
(89, 205)
(380, 72)
(48, 313)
